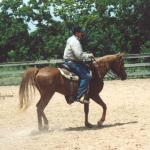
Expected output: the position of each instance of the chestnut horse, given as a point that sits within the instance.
(49, 80)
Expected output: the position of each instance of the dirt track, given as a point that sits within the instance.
(127, 125)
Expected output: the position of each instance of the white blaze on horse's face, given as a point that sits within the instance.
(118, 67)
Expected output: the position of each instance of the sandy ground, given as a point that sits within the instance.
(127, 125)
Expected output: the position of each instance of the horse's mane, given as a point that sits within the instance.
(106, 59)
(105, 62)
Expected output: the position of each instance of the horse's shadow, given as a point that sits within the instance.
(95, 127)
(83, 128)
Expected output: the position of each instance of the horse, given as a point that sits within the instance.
(49, 80)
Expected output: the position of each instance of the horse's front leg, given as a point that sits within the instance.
(99, 101)
(86, 111)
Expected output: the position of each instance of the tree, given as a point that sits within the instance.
(111, 26)
(14, 34)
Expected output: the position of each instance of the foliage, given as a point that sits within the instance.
(145, 47)
(111, 26)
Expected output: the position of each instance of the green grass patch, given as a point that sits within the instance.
(13, 75)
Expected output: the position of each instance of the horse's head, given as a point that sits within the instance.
(117, 66)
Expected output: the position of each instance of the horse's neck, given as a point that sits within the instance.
(104, 66)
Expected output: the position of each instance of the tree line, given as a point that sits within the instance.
(111, 26)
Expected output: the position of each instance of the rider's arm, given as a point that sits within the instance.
(78, 51)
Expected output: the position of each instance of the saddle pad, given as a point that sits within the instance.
(68, 75)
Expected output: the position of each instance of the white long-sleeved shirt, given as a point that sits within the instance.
(73, 50)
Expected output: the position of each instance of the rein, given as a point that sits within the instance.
(97, 66)
(113, 75)
(110, 73)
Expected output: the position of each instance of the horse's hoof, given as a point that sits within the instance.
(44, 130)
(69, 103)
(34, 132)
(46, 127)
(88, 125)
(100, 123)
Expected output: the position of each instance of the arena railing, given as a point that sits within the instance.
(13, 70)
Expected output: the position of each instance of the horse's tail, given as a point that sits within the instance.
(28, 80)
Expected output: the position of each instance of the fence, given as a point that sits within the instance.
(137, 66)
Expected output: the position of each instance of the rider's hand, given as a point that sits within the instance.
(90, 55)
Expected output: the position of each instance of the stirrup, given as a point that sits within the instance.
(84, 101)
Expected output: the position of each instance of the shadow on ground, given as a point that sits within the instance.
(95, 127)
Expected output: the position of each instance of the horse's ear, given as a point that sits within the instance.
(120, 55)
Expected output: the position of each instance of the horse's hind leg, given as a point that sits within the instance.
(40, 110)
(99, 101)
(46, 125)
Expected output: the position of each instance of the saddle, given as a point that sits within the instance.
(72, 82)
(67, 73)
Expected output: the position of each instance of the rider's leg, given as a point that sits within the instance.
(84, 75)
(82, 88)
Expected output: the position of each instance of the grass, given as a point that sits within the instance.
(12, 75)
(10, 81)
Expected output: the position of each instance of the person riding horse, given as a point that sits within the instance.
(73, 56)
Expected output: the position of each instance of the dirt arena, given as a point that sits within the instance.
(127, 125)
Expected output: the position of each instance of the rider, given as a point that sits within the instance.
(73, 56)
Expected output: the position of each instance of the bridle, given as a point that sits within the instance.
(110, 73)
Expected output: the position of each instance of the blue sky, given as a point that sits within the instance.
(32, 25)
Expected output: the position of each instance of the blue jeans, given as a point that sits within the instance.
(84, 74)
